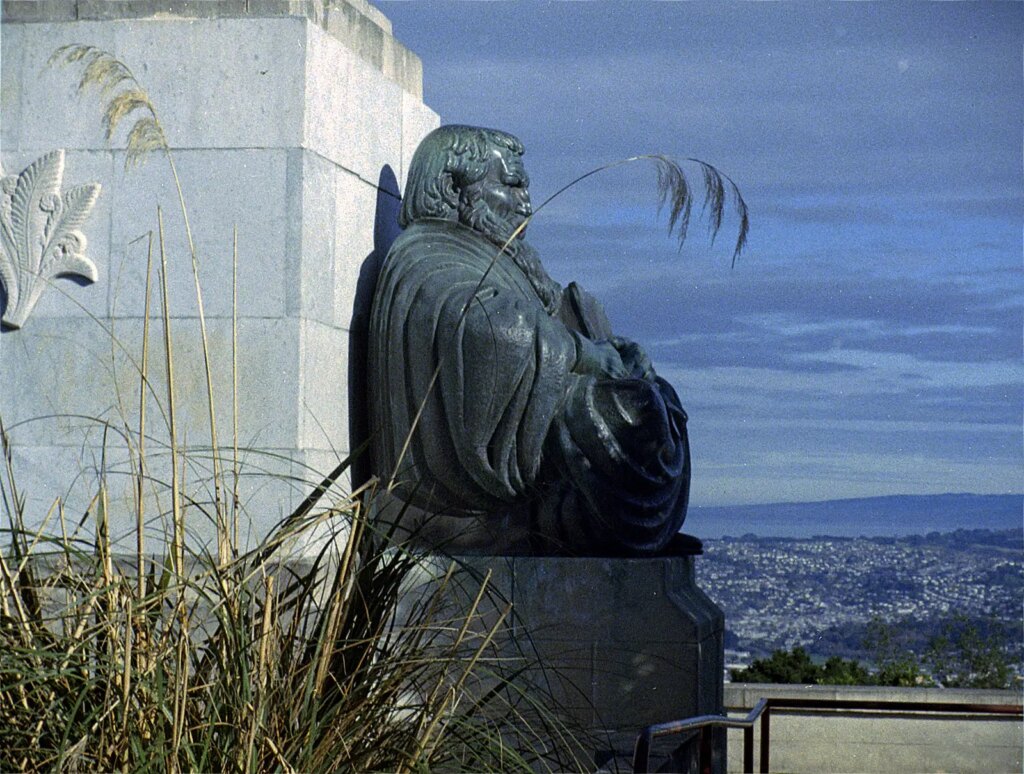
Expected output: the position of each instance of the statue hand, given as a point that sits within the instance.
(634, 358)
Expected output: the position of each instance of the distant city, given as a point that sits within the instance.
(820, 592)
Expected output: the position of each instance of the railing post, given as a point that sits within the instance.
(748, 749)
(765, 738)
(704, 754)
(642, 752)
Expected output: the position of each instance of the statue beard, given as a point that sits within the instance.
(476, 214)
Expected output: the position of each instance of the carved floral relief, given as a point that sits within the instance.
(40, 238)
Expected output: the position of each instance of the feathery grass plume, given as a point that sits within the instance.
(676, 192)
(116, 83)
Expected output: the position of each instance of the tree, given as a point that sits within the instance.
(796, 666)
(970, 654)
(896, 664)
(966, 654)
(841, 671)
(782, 666)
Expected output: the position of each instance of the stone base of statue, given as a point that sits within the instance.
(614, 645)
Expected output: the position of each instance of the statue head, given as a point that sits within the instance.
(471, 174)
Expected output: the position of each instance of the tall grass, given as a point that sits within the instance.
(364, 657)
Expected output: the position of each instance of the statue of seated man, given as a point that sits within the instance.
(500, 402)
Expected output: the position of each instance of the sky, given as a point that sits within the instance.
(868, 340)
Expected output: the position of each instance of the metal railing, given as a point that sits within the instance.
(705, 724)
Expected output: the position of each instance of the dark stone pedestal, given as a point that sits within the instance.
(622, 643)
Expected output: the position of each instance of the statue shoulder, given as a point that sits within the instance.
(440, 251)
(442, 256)
(430, 236)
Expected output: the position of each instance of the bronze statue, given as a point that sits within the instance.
(500, 397)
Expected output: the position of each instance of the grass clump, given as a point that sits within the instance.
(258, 664)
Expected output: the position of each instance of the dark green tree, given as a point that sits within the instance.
(782, 666)
(796, 666)
(841, 671)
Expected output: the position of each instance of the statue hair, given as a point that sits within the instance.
(448, 159)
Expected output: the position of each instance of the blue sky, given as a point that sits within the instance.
(869, 339)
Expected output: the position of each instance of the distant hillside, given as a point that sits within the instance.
(869, 516)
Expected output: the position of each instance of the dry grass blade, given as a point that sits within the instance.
(176, 511)
(13, 590)
(429, 740)
(235, 496)
(140, 500)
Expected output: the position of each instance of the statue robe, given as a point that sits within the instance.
(465, 343)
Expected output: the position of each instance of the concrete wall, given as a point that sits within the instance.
(293, 121)
(873, 742)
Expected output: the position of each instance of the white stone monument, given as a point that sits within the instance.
(292, 121)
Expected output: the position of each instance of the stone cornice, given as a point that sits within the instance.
(355, 23)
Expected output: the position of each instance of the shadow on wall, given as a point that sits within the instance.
(385, 231)
(82, 282)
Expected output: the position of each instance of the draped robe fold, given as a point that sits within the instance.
(475, 406)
